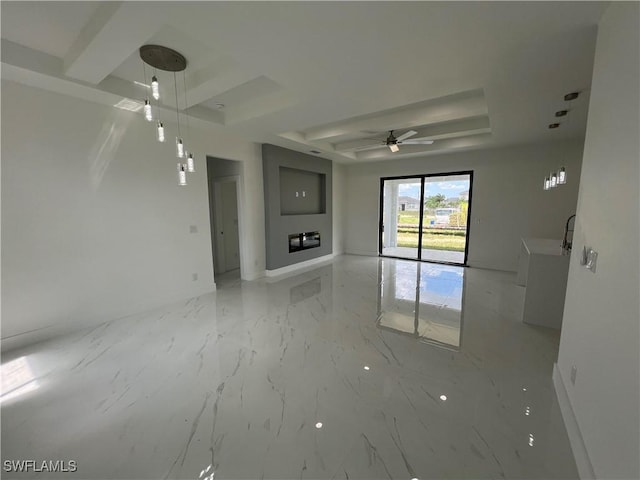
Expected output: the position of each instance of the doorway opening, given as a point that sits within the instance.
(224, 178)
(426, 217)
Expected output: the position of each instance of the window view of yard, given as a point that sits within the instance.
(444, 231)
(444, 201)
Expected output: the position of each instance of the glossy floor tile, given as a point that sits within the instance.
(362, 368)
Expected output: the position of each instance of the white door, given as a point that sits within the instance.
(229, 225)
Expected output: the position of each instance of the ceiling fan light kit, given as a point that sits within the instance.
(393, 142)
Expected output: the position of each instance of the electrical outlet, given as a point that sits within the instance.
(574, 372)
(194, 277)
(193, 229)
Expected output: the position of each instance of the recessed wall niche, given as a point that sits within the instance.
(302, 192)
(288, 173)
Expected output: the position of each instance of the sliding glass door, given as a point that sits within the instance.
(426, 217)
(401, 217)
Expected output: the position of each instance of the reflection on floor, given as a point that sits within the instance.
(228, 279)
(427, 254)
(422, 300)
(293, 378)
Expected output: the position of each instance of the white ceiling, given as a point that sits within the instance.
(326, 76)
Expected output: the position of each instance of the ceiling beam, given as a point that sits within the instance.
(466, 104)
(214, 80)
(115, 31)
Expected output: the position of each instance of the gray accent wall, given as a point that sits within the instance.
(281, 168)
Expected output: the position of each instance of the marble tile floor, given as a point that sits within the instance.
(297, 378)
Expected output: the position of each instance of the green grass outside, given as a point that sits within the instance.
(411, 217)
(453, 240)
(436, 242)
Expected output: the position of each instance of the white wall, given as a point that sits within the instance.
(94, 225)
(339, 194)
(508, 201)
(600, 333)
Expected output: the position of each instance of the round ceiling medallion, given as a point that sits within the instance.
(163, 58)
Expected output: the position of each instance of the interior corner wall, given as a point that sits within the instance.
(278, 227)
(508, 202)
(601, 323)
(339, 217)
(94, 225)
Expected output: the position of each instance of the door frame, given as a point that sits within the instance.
(216, 237)
(422, 177)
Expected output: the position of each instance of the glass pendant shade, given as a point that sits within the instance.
(394, 148)
(179, 148)
(147, 111)
(182, 175)
(547, 183)
(155, 88)
(160, 132)
(562, 176)
(554, 180)
(191, 167)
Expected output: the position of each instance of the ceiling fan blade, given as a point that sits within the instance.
(363, 148)
(418, 141)
(408, 134)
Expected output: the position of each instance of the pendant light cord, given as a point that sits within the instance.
(184, 84)
(175, 87)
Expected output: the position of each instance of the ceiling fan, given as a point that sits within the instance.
(393, 142)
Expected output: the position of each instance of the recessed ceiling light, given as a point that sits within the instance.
(319, 425)
(571, 96)
(443, 397)
(561, 113)
(554, 125)
(219, 106)
(316, 152)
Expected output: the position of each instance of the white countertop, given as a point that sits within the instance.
(543, 246)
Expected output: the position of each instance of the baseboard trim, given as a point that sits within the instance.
(298, 266)
(362, 253)
(253, 275)
(580, 454)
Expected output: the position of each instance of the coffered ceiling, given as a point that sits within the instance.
(329, 77)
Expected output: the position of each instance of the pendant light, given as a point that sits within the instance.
(147, 111)
(562, 176)
(160, 131)
(182, 175)
(191, 167)
(155, 88)
(168, 60)
(179, 142)
(179, 148)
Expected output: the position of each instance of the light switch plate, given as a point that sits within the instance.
(589, 259)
